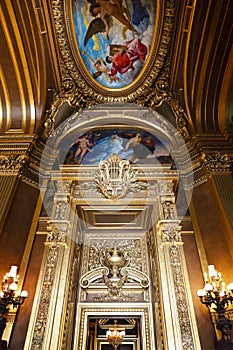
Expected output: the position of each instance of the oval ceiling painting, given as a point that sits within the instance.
(114, 38)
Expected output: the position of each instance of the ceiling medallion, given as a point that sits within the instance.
(115, 178)
(141, 36)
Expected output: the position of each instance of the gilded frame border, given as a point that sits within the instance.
(72, 68)
(141, 310)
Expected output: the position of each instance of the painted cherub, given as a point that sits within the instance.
(83, 145)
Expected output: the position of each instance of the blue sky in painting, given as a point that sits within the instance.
(142, 14)
(107, 142)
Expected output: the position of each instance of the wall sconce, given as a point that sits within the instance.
(8, 297)
(218, 297)
(115, 336)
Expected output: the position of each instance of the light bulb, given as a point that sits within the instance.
(200, 292)
(13, 286)
(212, 271)
(24, 294)
(208, 287)
(222, 293)
(13, 271)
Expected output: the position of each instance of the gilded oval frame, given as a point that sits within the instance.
(73, 67)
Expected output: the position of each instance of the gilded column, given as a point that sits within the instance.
(10, 166)
(49, 309)
(7, 189)
(218, 168)
(224, 186)
(179, 317)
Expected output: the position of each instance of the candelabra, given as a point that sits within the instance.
(115, 336)
(218, 297)
(8, 296)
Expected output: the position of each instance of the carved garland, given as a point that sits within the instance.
(216, 162)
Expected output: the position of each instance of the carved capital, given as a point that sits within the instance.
(216, 162)
(12, 164)
(63, 187)
(171, 234)
(56, 234)
(165, 187)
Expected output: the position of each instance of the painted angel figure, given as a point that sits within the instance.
(103, 11)
(101, 67)
(123, 57)
(83, 146)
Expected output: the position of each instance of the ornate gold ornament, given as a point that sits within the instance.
(115, 178)
(12, 164)
(115, 336)
(114, 274)
(217, 162)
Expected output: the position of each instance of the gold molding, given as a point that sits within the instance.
(17, 70)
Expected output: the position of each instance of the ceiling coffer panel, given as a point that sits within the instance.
(120, 218)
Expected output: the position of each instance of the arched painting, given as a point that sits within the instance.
(114, 38)
(137, 146)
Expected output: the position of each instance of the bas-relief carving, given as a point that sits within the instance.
(71, 302)
(60, 211)
(45, 298)
(132, 248)
(55, 242)
(94, 270)
(180, 291)
(171, 238)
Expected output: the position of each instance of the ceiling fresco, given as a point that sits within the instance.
(114, 38)
(137, 146)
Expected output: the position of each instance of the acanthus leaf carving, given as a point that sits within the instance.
(12, 164)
